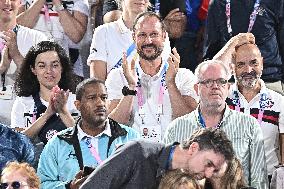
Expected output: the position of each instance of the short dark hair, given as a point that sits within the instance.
(148, 14)
(80, 89)
(26, 82)
(212, 139)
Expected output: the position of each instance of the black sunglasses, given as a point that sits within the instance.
(15, 185)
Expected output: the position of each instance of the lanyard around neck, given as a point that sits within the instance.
(202, 122)
(252, 17)
(93, 151)
(263, 98)
(160, 98)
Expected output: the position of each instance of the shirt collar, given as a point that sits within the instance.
(82, 134)
(122, 27)
(224, 117)
(157, 75)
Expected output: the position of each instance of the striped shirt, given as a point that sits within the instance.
(245, 134)
(272, 122)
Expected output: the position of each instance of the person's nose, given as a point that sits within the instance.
(248, 68)
(100, 102)
(148, 39)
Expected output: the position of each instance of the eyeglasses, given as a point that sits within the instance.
(209, 82)
(15, 184)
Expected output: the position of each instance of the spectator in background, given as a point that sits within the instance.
(14, 147)
(250, 95)
(64, 22)
(15, 41)
(44, 103)
(94, 138)
(189, 16)
(151, 91)
(243, 130)
(263, 18)
(19, 176)
(112, 39)
(178, 179)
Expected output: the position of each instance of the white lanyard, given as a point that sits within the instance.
(252, 17)
(262, 104)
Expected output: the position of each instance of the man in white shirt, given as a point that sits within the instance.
(150, 92)
(250, 95)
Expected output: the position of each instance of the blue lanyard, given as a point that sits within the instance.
(202, 122)
(128, 52)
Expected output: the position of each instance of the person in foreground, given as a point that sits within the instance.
(140, 164)
(19, 176)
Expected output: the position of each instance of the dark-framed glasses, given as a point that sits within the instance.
(15, 184)
(221, 82)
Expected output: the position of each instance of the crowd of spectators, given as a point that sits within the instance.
(121, 94)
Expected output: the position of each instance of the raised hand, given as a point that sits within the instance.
(243, 38)
(60, 98)
(10, 41)
(129, 71)
(173, 62)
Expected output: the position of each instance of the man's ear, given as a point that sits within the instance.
(77, 104)
(193, 148)
(196, 88)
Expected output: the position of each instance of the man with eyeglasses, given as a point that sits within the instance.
(243, 130)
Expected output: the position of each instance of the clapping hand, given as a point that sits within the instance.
(129, 71)
(59, 99)
(173, 62)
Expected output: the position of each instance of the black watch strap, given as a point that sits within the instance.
(126, 91)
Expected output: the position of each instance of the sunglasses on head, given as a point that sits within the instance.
(15, 184)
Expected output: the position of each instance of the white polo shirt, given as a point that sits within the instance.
(23, 110)
(111, 40)
(94, 139)
(151, 129)
(272, 121)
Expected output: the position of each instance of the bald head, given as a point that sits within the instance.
(247, 65)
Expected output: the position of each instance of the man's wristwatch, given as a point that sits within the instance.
(58, 7)
(126, 91)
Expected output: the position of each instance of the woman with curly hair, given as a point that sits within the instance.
(19, 176)
(44, 103)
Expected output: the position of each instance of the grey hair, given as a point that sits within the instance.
(212, 62)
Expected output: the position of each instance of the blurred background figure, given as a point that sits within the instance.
(62, 21)
(178, 179)
(14, 146)
(19, 176)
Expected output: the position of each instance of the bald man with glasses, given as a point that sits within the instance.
(243, 130)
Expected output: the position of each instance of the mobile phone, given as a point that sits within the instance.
(87, 170)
